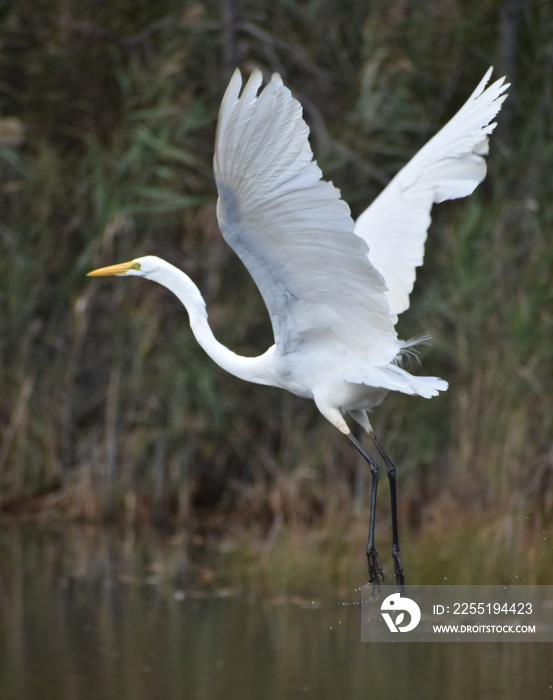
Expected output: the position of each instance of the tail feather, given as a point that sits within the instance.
(395, 378)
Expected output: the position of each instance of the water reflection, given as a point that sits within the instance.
(97, 614)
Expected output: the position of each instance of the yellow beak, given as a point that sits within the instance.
(119, 269)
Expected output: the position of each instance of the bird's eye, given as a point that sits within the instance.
(135, 266)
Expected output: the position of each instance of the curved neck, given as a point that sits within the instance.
(253, 369)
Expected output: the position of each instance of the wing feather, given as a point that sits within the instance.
(291, 229)
(449, 166)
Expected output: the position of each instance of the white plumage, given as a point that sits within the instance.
(449, 166)
(334, 301)
(333, 288)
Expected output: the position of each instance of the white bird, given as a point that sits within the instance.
(333, 288)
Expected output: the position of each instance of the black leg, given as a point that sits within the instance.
(376, 572)
(396, 554)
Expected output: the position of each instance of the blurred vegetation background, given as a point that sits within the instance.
(108, 408)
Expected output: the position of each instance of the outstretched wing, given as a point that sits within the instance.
(291, 229)
(449, 166)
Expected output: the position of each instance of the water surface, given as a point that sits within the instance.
(90, 614)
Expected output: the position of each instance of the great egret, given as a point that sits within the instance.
(333, 288)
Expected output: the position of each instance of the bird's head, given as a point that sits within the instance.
(140, 267)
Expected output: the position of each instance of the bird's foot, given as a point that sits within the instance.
(398, 569)
(376, 570)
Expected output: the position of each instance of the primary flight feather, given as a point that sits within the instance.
(333, 287)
